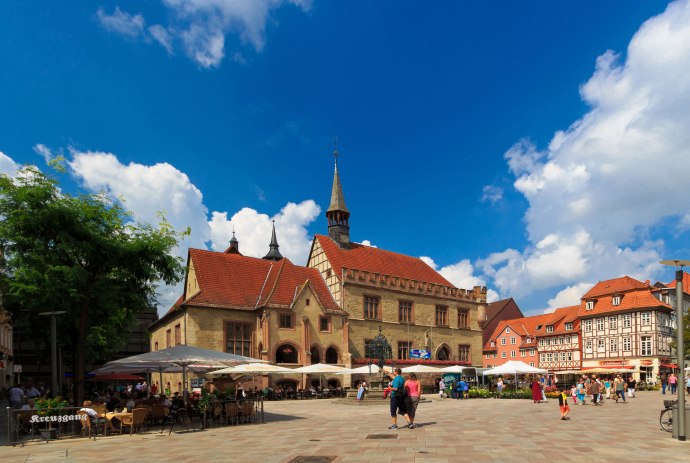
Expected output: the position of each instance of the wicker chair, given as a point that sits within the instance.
(158, 413)
(248, 411)
(87, 428)
(135, 421)
(232, 412)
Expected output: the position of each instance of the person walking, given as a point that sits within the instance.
(581, 391)
(563, 404)
(632, 384)
(466, 389)
(15, 396)
(619, 386)
(459, 388)
(607, 387)
(441, 388)
(536, 391)
(687, 382)
(398, 398)
(413, 389)
(673, 382)
(664, 382)
(499, 385)
(594, 390)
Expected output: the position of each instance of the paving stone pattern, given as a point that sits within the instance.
(477, 430)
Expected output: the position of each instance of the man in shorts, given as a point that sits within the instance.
(398, 399)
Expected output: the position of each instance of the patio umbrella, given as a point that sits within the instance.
(180, 356)
(320, 369)
(421, 369)
(514, 367)
(454, 369)
(253, 369)
(116, 377)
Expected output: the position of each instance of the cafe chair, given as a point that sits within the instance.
(136, 421)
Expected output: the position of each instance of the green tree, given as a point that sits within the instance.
(80, 254)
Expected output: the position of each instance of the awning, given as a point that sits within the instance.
(116, 377)
(671, 366)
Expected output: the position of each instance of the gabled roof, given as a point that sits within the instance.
(615, 286)
(495, 308)
(241, 282)
(523, 327)
(377, 260)
(630, 301)
(560, 317)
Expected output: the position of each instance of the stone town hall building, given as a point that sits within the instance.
(325, 312)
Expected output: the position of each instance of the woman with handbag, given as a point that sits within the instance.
(413, 390)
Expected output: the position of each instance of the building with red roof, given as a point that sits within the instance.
(625, 324)
(505, 309)
(418, 310)
(514, 339)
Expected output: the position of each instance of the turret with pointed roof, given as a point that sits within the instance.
(234, 245)
(337, 214)
(273, 253)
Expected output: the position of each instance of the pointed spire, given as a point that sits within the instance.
(273, 253)
(234, 244)
(337, 198)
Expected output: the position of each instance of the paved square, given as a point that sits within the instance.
(449, 431)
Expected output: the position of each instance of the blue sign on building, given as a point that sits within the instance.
(419, 354)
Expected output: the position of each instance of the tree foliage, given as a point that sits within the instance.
(82, 255)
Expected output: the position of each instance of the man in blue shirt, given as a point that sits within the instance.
(398, 399)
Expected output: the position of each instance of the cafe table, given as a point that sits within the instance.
(117, 416)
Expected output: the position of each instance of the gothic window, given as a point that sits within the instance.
(443, 353)
(441, 315)
(315, 355)
(286, 320)
(463, 318)
(464, 353)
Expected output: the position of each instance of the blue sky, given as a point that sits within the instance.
(535, 147)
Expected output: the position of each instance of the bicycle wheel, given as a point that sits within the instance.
(666, 420)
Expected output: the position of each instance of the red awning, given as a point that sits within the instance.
(116, 377)
(672, 366)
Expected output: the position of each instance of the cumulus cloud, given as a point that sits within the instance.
(461, 274)
(7, 165)
(368, 243)
(146, 190)
(202, 26)
(569, 296)
(121, 22)
(598, 189)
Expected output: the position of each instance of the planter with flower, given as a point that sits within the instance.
(50, 412)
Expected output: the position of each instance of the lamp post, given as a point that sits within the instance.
(53, 349)
(680, 342)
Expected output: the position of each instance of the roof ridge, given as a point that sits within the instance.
(275, 284)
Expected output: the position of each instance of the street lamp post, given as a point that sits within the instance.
(53, 349)
(680, 341)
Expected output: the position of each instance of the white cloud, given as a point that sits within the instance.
(492, 194)
(569, 296)
(122, 22)
(368, 243)
(461, 274)
(162, 187)
(599, 188)
(44, 151)
(7, 165)
(203, 25)
(161, 35)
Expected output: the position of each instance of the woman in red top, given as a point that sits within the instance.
(413, 390)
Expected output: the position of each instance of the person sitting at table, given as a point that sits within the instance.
(130, 404)
(95, 417)
(113, 403)
(239, 392)
(165, 401)
(29, 405)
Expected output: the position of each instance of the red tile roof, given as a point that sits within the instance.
(614, 286)
(562, 316)
(686, 283)
(241, 282)
(380, 261)
(631, 299)
(524, 327)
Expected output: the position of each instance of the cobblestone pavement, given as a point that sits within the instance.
(478, 430)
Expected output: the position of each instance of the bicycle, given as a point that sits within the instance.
(666, 415)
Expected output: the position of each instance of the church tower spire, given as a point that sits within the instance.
(273, 253)
(337, 214)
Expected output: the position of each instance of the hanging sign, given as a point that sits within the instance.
(419, 354)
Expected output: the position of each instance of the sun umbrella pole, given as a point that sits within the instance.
(184, 384)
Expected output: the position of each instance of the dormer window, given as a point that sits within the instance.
(529, 340)
(549, 329)
(589, 305)
(569, 326)
(493, 343)
(539, 327)
(616, 300)
(507, 330)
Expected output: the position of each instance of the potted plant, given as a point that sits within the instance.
(48, 411)
(204, 402)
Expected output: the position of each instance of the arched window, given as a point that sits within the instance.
(331, 355)
(261, 349)
(443, 353)
(315, 355)
(286, 354)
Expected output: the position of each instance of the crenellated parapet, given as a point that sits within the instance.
(410, 286)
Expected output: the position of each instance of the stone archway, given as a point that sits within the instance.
(331, 355)
(315, 354)
(287, 353)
